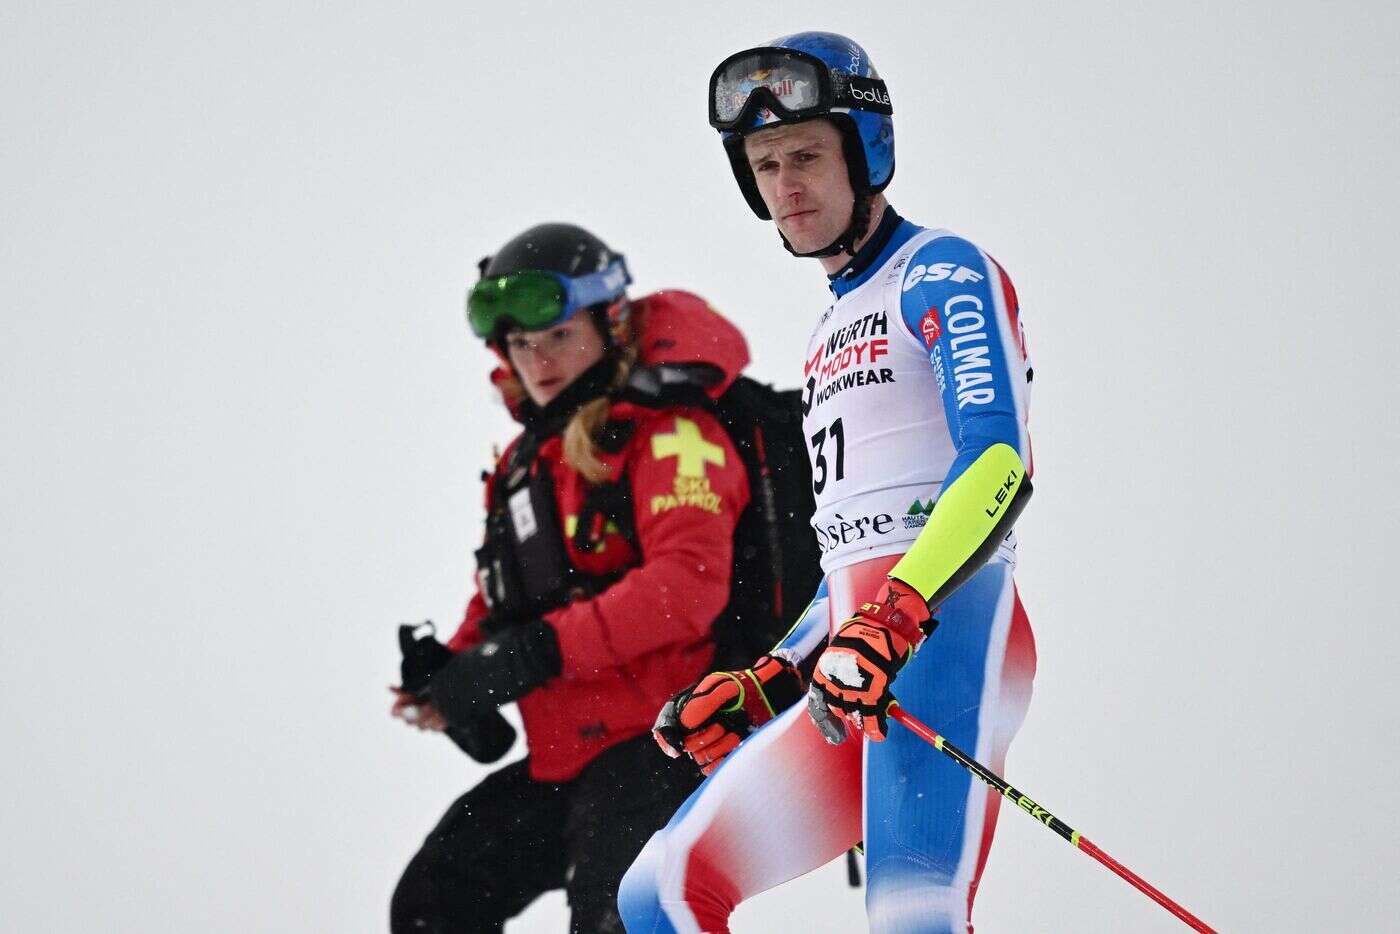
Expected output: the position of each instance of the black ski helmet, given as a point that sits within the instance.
(591, 275)
(563, 248)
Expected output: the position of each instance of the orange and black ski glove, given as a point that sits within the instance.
(708, 720)
(855, 670)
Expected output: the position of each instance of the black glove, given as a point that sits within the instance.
(504, 668)
(485, 737)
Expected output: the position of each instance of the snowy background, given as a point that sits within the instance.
(242, 420)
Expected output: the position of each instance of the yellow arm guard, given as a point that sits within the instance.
(969, 521)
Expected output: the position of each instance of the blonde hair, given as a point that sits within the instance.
(581, 434)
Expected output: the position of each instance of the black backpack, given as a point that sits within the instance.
(776, 562)
(776, 566)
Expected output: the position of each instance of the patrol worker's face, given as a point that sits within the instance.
(548, 361)
(801, 174)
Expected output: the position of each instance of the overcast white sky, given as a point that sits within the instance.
(243, 421)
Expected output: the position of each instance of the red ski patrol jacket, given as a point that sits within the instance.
(626, 650)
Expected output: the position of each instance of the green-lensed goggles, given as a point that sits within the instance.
(534, 299)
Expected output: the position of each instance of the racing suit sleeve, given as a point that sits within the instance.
(688, 488)
(962, 307)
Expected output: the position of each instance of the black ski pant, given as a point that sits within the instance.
(510, 839)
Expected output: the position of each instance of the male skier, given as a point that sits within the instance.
(916, 388)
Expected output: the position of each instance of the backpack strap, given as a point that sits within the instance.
(664, 385)
(608, 502)
(603, 504)
(661, 386)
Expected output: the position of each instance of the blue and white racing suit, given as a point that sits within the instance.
(915, 404)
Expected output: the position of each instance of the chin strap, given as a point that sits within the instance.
(846, 242)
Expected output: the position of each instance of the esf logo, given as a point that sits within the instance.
(938, 272)
(842, 531)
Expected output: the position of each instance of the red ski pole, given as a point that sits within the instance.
(1045, 817)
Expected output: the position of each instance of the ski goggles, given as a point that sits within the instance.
(535, 299)
(792, 85)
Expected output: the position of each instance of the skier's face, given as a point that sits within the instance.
(548, 361)
(801, 174)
